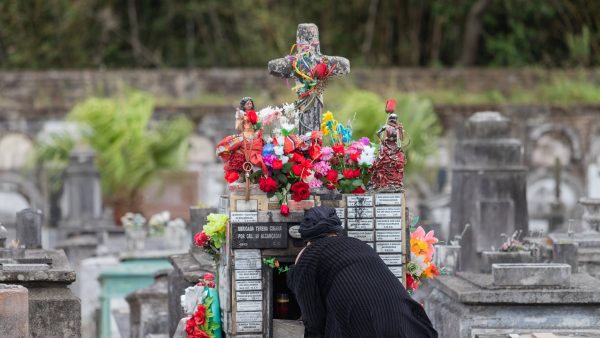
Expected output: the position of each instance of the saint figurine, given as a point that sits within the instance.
(388, 168)
(243, 152)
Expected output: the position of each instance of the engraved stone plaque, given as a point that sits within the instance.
(360, 224)
(255, 316)
(388, 199)
(245, 285)
(243, 217)
(388, 211)
(388, 223)
(249, 306)
(359, 201)
(385, 247)
(249, 327)
(293, 231)
(391, 259)
(244, 254)
(247, 274)
(247, 264)
(341, 212)
(389, 235)
(259, 235)
(365, 236)
(366, 212)
(248, 295)
(250, 336)
(396, 270)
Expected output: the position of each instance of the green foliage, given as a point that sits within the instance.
(43, 34)
(128, 152)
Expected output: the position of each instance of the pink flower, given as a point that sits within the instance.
(365, 141)
(326, 153)
(322, 167)
(315, 183)
(428, 238)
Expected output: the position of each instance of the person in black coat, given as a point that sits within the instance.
(344, 289)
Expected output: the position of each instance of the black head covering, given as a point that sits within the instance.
(318, 222)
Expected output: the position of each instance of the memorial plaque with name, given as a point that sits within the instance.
(250, 336)
(388, 199)
(360, 224)
(249, 306)
(248, 327)
(359, 201)
(396, 270)
(248, 274)
(389, 235)
(366, 212)
(243, 216)
(248, 295)
(249, 253)
(365, 236)
(388, 223)
(247, 263)
(388, 211)
(385, 247)
(341, 212)
(245, 285)
(391, 259)
(259, 235)
(249, 317)
(294, 231)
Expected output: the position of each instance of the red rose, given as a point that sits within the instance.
(284, 210)
(359, 190)
(319, 71)
(355, 156)
(190, 326)
(252, 117)
(330, 186)
(231, 176)
(300, 191)
(200, 315)
(411, 283)
(338, 149)
(267, 184)
(332, 176)
(356, 173)
(277, 164)
(390, 106)
(314, 151)
(297, 169)
(201, 238)
(348, 173)
(297, 158)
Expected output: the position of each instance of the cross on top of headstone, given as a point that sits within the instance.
(307, 40)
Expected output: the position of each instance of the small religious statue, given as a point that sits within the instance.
(388, 168)
(242, 152)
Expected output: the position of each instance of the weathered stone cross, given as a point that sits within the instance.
(307, 40)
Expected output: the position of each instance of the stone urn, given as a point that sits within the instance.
(591, 213)
(504, 257)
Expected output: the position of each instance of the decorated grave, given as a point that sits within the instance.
(283, 161)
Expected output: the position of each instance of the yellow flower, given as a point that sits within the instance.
(418, 247)
(328, 116)
(324, 129)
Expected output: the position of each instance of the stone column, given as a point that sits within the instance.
(488, 186)
(29, 228)
(14, 311)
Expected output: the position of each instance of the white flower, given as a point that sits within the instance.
(284, 159)
(280, 140)
(192, 297)
(278, 150)
(419, 260)
(367, 156)
(287, 126)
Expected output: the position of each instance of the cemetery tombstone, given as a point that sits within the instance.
(488, 187)
(29, 228)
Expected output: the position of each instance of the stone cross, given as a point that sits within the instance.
(307, 40)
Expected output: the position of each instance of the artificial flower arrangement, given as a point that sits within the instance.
(291, 165)
(201, 301)
(213, 234)
(420, 265)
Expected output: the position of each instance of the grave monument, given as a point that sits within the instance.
(282, 162)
